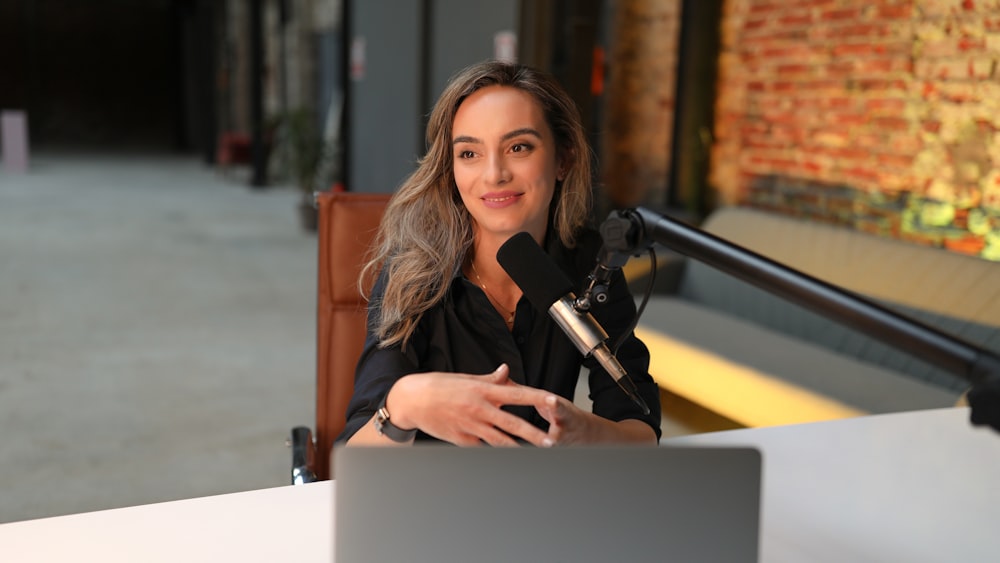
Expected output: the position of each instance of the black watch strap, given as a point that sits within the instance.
(386, 428)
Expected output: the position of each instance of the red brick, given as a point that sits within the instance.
(857, 30)
(792, 20)
(813, 166)
(752, 127)
(905, 144)
(821, 85)
(891, 123)
(886, 104)
(840, 69)
(757, 8)
(849, 154)
(970, 43)
(895, 12)
(840, 102)
(884, 65)
(847, 118)
(806, 105)
(786, 69)
(872, 84)
(814, 3)
(869, 140)
(840, 14)
(861, 173)
(760, 142)
(848, 49)
(897, 160)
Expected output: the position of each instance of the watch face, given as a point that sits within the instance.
(380, 418)
(384, 427)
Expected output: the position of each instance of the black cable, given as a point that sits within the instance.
(642, 306)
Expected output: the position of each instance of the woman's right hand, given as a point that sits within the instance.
(466, 409)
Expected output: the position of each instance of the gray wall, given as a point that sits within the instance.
(461, 33)
(384, 108)
(410, 54)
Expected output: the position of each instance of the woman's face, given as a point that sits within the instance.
(505, 162)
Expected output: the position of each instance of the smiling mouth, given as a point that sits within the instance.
(499, 199)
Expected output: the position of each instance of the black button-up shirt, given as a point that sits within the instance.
(465, 334)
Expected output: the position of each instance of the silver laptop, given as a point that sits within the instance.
(442, 504)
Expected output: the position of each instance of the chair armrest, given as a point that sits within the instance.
(303, 455)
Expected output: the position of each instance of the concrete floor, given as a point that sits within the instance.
(157, 326)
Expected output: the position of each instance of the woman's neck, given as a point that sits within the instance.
(483, 269)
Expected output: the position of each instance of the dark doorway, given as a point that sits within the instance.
(107, 73)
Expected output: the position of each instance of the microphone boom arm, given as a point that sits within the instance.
(977, 365)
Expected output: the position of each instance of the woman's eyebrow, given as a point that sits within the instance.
(506, 136)
(521, 131)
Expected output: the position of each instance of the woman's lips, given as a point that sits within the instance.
(501, 199)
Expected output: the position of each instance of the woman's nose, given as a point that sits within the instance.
(496, 171)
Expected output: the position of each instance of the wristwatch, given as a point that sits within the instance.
(386, 428)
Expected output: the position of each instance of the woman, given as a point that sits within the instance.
(453, 352)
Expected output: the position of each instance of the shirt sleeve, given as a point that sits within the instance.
(377, 370)
(616, 317)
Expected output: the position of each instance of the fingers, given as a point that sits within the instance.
(567, 423)
(547, 404)
(516, 426)
(503, 435)
(494, 437)
(499, 376)
(468, 409)
(552, 409)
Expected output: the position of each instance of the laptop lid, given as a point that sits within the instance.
(443, 504)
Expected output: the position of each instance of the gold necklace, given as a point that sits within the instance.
(509, 315)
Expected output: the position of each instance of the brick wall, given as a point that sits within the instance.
(880, 114)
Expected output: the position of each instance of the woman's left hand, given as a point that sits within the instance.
(569, 424)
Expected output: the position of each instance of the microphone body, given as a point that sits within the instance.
(548, 289)
(590, 339)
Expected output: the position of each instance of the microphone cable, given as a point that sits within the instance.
(642, 305)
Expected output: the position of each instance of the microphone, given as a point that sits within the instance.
(548, 289)
(620, 233)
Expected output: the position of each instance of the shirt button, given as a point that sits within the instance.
(520, 340)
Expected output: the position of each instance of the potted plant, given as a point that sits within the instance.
(305, 156)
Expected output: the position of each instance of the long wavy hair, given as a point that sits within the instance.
(426, 231)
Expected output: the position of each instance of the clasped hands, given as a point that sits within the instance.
(466, 410)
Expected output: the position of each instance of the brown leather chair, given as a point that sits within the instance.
(347, 225)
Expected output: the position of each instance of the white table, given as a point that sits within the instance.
(291, 524)
(918, 486)
(909, 487)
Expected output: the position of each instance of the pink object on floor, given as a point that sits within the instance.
(14, 141)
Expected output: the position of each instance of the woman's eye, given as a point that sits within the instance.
(520, 147)
(465, 154)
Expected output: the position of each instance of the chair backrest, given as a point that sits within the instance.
(347, 225)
